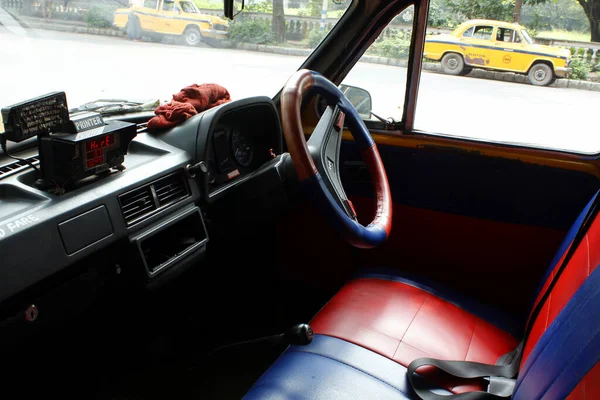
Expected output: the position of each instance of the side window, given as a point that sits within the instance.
(150, 4)
(518, 37)
(524, 95)
(377, 83)
(483, 32)
(168, 5)
(508, 35)
(468, 32)
(188, 7)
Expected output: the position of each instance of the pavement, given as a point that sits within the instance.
(90, 67)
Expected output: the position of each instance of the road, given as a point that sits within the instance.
(89, 67)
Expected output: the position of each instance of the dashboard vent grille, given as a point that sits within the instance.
(144, 201)
(170, 190)
(17, 166)
(137, 204)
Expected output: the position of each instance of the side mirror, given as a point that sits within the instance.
(360, 99)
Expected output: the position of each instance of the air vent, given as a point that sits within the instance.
(17, 166)
(145, 201)
(137, 204)
(170, 190)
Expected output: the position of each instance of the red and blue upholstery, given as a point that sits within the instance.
(377, 324)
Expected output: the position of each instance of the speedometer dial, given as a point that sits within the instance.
(242, 148)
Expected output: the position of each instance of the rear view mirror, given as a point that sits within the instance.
(360, 99)
(229, 8)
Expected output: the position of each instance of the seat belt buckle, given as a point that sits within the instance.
(500, 386)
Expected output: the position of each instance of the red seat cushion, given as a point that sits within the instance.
(403, 323)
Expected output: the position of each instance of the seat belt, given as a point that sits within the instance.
(501, 384)
(500, 376)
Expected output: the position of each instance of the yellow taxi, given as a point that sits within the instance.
(158, 18)
(497, 45)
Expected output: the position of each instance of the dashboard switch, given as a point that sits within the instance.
(192, 170)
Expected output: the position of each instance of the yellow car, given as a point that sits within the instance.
(497, 45)
(159, 18)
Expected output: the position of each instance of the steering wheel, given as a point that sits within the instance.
(317, 161)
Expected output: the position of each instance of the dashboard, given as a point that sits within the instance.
(147, 220)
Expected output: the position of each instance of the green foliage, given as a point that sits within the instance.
(562, 34)
(314, 8)
(442, 16)
(556, 14)
(250, 31)
(489, 9)
(208, 5)
(100, 16)
(263, 6)
(315, 37)
(394, 46)
(581, 68)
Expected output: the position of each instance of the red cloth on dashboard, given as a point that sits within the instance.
(188, 102)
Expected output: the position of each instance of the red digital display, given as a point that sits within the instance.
(99, 142)
(95, 150)
(94, 162)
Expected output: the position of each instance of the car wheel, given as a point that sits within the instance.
(540, 75)
(453, 64)
(134, 31)
(192, 37)
(466, 71)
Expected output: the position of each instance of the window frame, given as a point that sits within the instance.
(484, 26)
(150, 8)
(164, 2)
(471, 28)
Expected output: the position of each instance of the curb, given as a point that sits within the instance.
(77, 29)
(427, 66)
(431, 66)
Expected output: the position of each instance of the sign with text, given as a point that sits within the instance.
(37, 116)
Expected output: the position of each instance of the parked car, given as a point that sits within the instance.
(497, 45)
(158, 18)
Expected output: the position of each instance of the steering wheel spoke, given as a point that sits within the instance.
(317, 161)
(324, 147)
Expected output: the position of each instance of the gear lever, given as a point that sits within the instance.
(299, 335)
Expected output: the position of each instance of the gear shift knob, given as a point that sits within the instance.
(300, 335)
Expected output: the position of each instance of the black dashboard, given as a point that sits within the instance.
(147, 220)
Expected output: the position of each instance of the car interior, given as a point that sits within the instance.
(191, 272)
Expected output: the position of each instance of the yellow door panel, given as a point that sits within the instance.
(480, 40)
(147, 15)
(509, 50)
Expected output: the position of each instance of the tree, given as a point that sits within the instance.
(517, 13)
(504, 10)
(278, 21)
(592, 12)
(488, 9)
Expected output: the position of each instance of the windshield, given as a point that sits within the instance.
(146, 51)
(526, 36)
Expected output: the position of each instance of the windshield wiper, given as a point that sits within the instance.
(117, 106)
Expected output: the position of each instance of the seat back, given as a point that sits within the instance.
(560, 357)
